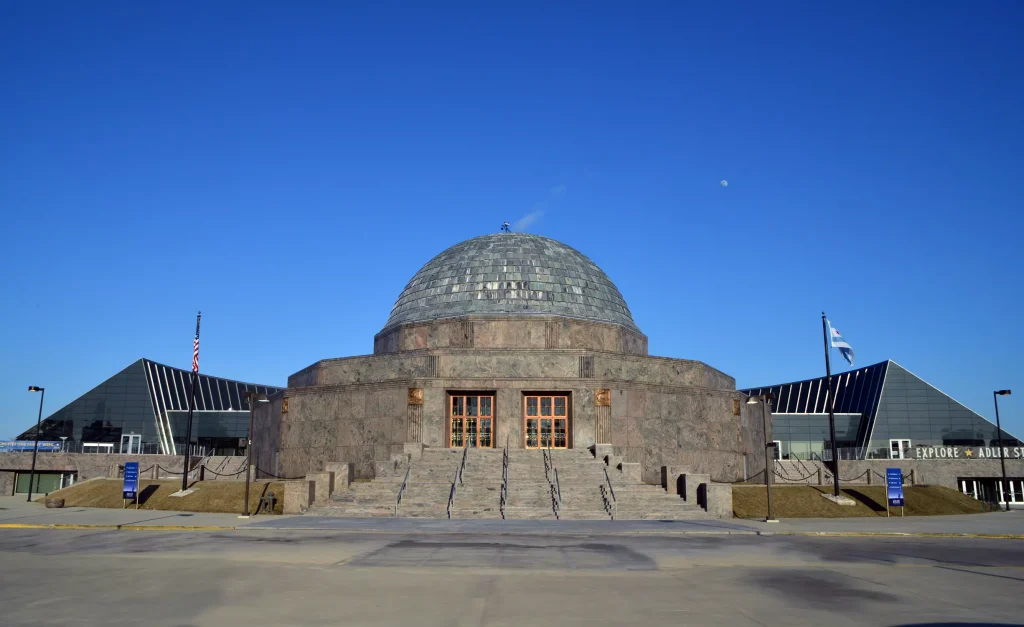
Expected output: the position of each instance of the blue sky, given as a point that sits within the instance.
(286, 169)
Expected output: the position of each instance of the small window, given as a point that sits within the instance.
(545, 406)
(531, 406)
(559, 405)
(485, 405)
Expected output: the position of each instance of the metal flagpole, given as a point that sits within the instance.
(191, 405)
(831, 402)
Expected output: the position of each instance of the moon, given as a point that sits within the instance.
(724, 183)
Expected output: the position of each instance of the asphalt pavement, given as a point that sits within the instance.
(247, 577)
(15, 512)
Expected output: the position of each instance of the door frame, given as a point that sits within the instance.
(133, 438)
(900, 441)
(451, 394)
(568, 418)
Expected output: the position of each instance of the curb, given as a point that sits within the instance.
(736, 532)
(116, 527)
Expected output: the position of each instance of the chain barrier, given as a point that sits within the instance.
(268, 474)
(225, 474)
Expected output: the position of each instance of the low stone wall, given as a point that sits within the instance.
(84, 465)
(944, 472)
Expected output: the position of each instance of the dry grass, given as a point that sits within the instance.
(210, 496)
(806, 502)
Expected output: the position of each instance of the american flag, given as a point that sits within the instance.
(195, 346)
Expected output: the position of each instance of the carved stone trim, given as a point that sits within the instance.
(415, 396)
(284, 405)
(603, 397)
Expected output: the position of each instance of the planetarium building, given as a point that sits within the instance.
(510, 340)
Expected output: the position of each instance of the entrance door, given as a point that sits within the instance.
(899, 449)
(131, 444)
(472, 420)
(546, 421)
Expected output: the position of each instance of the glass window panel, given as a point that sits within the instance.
(224, 399)
(560, 433)
(456, 431)
(545, 406)
(471, 431)
(545, 431)
(204, 387)
(457, 405)
(471, 405)
(485, 405)
(485, 432)
(531, 406)
(560, 405)
(531, 432)
(236, 399)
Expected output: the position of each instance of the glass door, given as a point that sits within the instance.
(131, 444)
(471, 420)
(546, 421)
(899, 449)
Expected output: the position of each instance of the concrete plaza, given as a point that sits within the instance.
(458, 573)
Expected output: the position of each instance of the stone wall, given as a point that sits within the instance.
(266, 435)
(695, 428)
(535, 332)
(944, 472)
(85, 465)
(477, 364)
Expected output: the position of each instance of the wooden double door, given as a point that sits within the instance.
(471, 420)
(546, 421)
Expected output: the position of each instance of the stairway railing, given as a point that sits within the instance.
(401, 489)
(610, 504)
(503, 501)
(456, 480)
(549, 469)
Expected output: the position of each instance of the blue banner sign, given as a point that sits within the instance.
(131, 481)
(894, 486)
(19, 446)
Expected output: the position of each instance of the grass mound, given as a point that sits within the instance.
(210, 496)
(789, 501)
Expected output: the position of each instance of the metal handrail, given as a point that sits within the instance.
(504, 480)
(609, 480)
(549, 469)
(457, 479)
(401, 489)
(462, 465)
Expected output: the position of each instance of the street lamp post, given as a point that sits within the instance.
(35, 449)
(764, 400)
(999, 436)
(253, 398)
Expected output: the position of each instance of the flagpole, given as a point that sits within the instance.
(192, 404)
(831, 414)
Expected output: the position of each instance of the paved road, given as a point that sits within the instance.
(287, 577)
(15, 511)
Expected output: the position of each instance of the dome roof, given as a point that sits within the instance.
(513, 274)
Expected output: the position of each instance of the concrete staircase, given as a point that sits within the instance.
(533, 490)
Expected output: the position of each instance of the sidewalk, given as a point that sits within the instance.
(15, 512)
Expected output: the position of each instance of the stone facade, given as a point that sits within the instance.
(662, 411)
(507, 315)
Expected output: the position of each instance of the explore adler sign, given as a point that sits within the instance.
(968, 452)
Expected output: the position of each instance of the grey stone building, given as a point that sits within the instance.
(510, 338)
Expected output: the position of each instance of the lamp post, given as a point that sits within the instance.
(35, 449)
(999, 436)
(764, 399)
(253, 398)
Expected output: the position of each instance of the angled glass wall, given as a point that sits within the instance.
(134, 412)
(881, 411)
